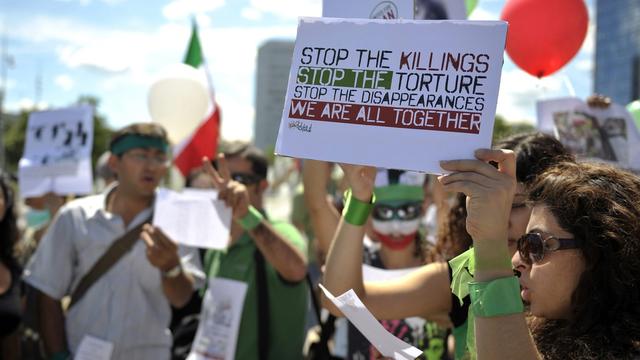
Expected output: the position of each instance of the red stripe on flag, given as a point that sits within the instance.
(203, 142)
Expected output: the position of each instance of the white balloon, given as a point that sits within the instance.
(178, 100)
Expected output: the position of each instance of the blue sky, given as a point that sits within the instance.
(113, 48)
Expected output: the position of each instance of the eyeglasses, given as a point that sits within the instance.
(142, 158)
(533, 246)
(408, 211)
(246, 179)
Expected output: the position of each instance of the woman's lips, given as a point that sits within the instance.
(525, 293)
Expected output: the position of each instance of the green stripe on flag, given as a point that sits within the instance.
(194, 52)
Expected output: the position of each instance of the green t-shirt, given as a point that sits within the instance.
(287, 301)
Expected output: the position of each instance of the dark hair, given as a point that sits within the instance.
(600, 205)
(152, 130)
(249, 152)
(535, 152)
(9, 233)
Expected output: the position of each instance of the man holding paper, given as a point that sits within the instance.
(269, 256)
(120, 287)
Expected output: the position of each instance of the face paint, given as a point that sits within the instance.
(36, 219)
(396, 234)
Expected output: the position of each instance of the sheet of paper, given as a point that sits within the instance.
(371, 273)
(387, 344)
(607, 134)
(193, 217)
(368, 9)
(217, 334)
(57, 153)
(379, 98)
(92, 348)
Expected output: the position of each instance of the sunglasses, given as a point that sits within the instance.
(246, 179)
(408, 211)
(533, 246)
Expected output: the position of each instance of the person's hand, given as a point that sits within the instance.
(599, 101)
(233, 193)
(489, 191)
(361, 179)
(162, 252)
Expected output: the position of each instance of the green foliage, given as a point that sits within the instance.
(502, 128)
(16, 126)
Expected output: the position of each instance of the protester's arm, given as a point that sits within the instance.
(288, 261)
(424, 292)
(52, 326)
(162, 253)
(489, 195)
(324, 216)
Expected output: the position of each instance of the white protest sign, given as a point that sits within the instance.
(372, 273)
(366, 92)
(440, 10)
(217, 334)
(387, 344)
(607, 134)
(368, 9)
(193, 217)
(57, 152)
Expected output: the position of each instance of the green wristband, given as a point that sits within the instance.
(60, 355)
(251, 220)
(498, 297)
(356, 212)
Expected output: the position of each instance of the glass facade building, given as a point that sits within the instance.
(617, 63)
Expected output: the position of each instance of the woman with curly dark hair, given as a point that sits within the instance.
(578, 263)
(10, 310)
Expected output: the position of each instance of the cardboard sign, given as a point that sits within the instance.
(57, 152)
(366, 92)
(368, 9)
(607, 134)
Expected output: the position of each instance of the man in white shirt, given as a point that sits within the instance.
(128, 306)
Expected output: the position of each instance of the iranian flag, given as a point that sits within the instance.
(204, 140)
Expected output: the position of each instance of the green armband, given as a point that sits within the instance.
(356, 212)
(498, 297)
(60, 355)
(251, 220)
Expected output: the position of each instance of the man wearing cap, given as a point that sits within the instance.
(125, 312)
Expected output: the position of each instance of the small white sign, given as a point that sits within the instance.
(372, 273)
(366, 92)
(57, 152)
(193, 217)
(607, 134)
(387, 344)
(368, 9)
(92, 348)
(217, 334)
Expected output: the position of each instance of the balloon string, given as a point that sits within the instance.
(569, 85)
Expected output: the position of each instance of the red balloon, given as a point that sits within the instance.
(544, 34)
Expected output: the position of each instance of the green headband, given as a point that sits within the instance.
(393, 193)
(134, 141)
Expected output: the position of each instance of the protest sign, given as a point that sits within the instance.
(386, 343)
(366, 92)
(194, 217)
(368, 9)
(607, 134)
(57, 152)
(440, 10)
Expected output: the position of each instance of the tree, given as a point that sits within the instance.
(502, 128)
(16, 127)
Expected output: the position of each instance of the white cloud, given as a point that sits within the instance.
(88, 2)
(482, 14)
(251, 13)
(589, 44)
(520, 91)
(183, 9)
(289, 9)
(65, 82)
(25, 104)
(11, 84)
(585, 65)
